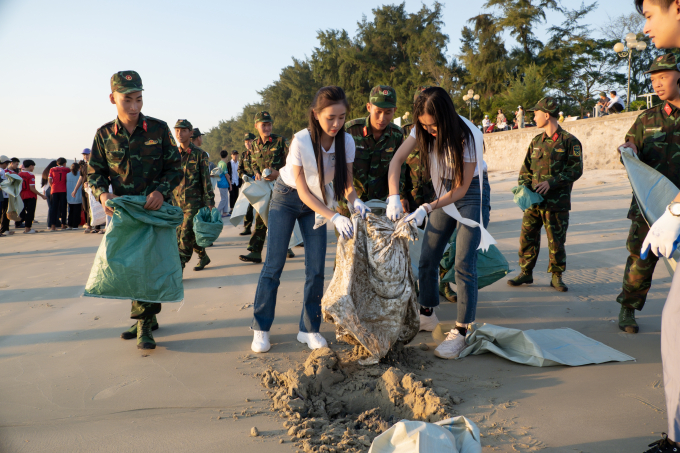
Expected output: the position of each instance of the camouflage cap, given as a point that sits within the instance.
(248, 136)
(196, 133)
(547, 105)
(185, 124)
(668, 62)
(126, 82)
(383, 96)
(418, 91)
(263, 117)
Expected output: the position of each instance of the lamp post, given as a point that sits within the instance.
(469, 98)
(632, 44)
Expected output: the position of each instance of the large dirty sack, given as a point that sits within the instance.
(12, 187)
(525, 197)
(372, 294)
(491, 265)
(138, 258)
(453, 435)
(540, 348)
(208, 226)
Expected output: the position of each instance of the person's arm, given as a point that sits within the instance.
(573, 168)
(204, 174)
(278, 159)
(81, 179)
(634, 137)
(171, 176)
(98, 173)
(400, 156)
(314, 203)
(37, 192)
(525, 173)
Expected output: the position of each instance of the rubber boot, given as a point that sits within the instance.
(132, 331)
(557, 282)
(521, 279)
(203, 263)
(250, 248)
(252, 257)
(245, 232)
(144, 336)
(291, 254)
(627, 321)
(446, 291)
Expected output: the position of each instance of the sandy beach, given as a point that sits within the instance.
(68, 383)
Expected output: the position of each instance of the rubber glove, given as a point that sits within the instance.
(361, 207)
(662, 238)
(419, 214)
(343, 225)
(394, 209)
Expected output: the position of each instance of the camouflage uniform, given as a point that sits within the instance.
(134, 164)
(655, 134)
(193, 192)
(558, 160)
(245, 169)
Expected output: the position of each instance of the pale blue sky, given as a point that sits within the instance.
(200, 60)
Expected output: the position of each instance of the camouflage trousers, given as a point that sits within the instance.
(556, 224)
(186, 239)
(248, 219)
(637, 277)
(143, 310)
(259, 236)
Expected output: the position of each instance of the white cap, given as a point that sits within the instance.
(561, 113)
(486, 116)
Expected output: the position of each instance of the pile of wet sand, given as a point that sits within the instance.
(334, 405)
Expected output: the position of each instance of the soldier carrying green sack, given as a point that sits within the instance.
(245, 169)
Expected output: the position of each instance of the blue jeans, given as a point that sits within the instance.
(437, 234)
(286, 207)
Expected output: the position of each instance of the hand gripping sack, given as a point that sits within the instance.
(207, 226)
(138, 258)
(525, 197)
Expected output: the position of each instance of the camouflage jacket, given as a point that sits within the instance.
(244, 164)
(270, 154)
(657, 138)
(558, 160)
(194, 190)
(372, 159)
(418, 184)
(137, 164)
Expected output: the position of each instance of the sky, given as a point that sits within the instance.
(201, 60)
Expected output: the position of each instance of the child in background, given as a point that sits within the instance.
(57, 181)
(74, 201)
(29, 195)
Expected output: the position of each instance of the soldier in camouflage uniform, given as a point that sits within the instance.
(376, 138)
(552, 164)
(656, 140)
(193, 192)
(245, 169)
(268, 154)
(136, 155)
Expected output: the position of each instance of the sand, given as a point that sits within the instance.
(69, 383)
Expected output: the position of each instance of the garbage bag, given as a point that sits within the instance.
(12, 187)
(525, 197)
(372, 294)
(97, 213)
(491, 265)
(207, 226)
(138, 258)
(454, 435)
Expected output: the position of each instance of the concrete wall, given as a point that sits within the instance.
(599, 137)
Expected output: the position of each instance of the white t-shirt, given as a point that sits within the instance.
(295, 158)
(615, 100)
(469, 155)
(234, 172)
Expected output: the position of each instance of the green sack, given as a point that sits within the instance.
(207, 226)
(138, 258)
(491, 265)
(525, 197)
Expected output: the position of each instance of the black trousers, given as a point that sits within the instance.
(4, 225)
(29, 211)
(233, 195)
(74, 215)
(59, 206)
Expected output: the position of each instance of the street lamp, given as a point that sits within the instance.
(632, 44)
(469, 98)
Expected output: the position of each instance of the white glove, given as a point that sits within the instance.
(662, 237)
(343, 225)
(419, 214)
(394, 209)
(361, 207)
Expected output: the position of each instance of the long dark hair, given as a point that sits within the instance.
(326, 97)
(46, 172)
(453, 135)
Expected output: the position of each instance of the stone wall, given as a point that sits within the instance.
(599, 137)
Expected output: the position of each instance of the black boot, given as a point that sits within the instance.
(132, 331)
(144, 336)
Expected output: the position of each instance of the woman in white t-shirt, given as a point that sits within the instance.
(459, 176)
(319, 155)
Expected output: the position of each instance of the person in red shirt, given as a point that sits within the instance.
(57, 181)
(29, 194)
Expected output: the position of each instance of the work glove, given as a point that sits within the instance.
(419, 214)
(361, 207)
(343, 225)
(662, 238)
(394, 209)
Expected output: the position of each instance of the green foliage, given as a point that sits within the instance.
(524, 90)
(640, 104)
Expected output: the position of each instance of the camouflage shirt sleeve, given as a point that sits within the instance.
(573, 169)
(636, 135)
(525, 175)
(172, 167)
(98, 170)
(208, 194)
(279, 158)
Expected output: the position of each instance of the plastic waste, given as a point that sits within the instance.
(453, 435)
(525, 197)
(12, 187)
(207, 226)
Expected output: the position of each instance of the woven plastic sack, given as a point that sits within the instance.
(207, 226)
(138, 258)
(97, 213)
(12, 187)
(372, 297)
(491, 265)
(525, 197)
(453, 435)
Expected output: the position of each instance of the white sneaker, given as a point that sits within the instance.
(428, 323)
(29, 232)
(260, 341)
(452, 346)
(313, 340)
